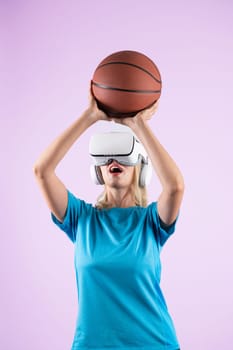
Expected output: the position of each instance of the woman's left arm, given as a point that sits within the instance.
(168, 173)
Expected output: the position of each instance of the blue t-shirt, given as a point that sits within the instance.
(117, 263)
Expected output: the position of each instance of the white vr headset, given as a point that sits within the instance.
(122, 147)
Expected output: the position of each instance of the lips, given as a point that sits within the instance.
(115, 168)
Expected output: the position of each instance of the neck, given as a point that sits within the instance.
(120, 198)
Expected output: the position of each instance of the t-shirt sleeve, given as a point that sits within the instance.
(162, 231)
(75, 208)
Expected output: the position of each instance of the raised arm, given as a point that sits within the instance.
(52, 188)
(168, 173)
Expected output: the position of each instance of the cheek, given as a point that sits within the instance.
(131, 173)
(103, 171)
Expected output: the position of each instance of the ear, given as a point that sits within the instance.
(96, 175)
(145, 174)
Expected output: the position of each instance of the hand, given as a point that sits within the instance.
(147, 113)
(142, 116)
(93, 111)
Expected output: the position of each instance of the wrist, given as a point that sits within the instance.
(89, 116)
(137, 124)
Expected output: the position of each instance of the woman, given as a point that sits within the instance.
(117, 242)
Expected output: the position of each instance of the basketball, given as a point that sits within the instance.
(125, 83)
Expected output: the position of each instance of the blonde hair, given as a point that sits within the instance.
(140, 193)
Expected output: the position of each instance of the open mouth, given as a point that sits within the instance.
(115, 169)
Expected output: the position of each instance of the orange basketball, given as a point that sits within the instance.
(125, 83)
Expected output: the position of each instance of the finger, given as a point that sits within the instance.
(90, 88)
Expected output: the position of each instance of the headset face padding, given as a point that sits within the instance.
(144, 176)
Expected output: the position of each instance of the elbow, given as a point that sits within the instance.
(39, 171)
(176, 188)
(180, 186)
(180, 189)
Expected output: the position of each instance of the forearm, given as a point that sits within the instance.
(163, 164)
(55, 152)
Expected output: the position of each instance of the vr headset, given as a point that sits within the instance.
(122, 147)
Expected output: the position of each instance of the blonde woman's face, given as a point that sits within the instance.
(117, 175)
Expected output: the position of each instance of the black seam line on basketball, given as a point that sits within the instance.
(133, 65)
(113, 113)
(126, 90)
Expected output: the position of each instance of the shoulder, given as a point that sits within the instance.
(154, 215)
(75, 201)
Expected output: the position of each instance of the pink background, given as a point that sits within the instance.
(49, 50)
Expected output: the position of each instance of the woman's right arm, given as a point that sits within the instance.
(52, 188)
